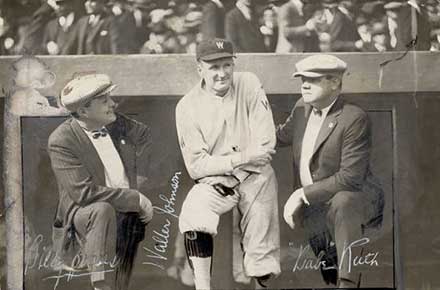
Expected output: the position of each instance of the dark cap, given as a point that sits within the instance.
(212, 49)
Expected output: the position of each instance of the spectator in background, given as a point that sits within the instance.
(59, 35)
(213, 20)
(35, 30)
(406, 21)
(131, 21)
(296, 32)
(95, 33)
(340, 27)
(379, 38)
(269, 28)
(191, 36)
(242, 28)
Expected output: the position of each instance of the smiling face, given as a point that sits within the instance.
(98, 112)
(320, 91)
(217, 75)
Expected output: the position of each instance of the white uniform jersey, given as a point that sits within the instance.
(211, 129)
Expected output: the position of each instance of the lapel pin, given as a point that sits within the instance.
(331, 125)
(122, 141)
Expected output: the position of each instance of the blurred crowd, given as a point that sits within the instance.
(59, 27)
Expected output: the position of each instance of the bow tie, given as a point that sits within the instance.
(99, 133)
(317, 112)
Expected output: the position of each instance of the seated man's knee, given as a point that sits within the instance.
(346, 203)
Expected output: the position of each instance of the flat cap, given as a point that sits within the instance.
(215, 48)
(320, 65)
(83, 88)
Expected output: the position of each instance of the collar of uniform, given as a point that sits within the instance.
(204, 91)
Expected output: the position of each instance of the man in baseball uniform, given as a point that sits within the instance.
(99, 158)
(227, 135)
(336, 196)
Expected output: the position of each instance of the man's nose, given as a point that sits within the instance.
(305, 85)
(111, 103)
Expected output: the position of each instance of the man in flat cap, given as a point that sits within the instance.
(98, 157)
(335, 195)
(227, 135)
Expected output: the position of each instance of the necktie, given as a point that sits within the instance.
(99, 133)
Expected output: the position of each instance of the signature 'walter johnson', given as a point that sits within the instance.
(161, 237)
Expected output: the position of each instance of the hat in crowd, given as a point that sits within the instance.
(392, 5)
(83, 88)
(215, 48)
(378, 28)
(320, 65)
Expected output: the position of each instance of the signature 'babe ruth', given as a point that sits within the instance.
(336, 196)
(227, 135)
(98, 157)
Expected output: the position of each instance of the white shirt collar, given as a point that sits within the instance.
(218, 3)
(244, 9)
(300, 5)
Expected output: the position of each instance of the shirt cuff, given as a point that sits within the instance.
(303, 196)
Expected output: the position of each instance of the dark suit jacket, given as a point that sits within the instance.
(245, 35)
(129, 38)
(99, 39)
(64, 39)
(213, 21)
(405, 27)
(343, 32)
(80, 174)
(341, 155)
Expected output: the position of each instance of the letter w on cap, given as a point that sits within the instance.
(219, 44)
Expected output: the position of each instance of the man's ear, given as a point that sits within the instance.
(199, 68)
(82, 112)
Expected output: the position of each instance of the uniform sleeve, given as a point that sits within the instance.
(262, 128)
(76, 180)
(198, 161)
(260, 118)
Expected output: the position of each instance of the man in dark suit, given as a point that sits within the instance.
(96, 32)
(59, 35)
(213, 21)
(336, 196)
(99, 159)
(242, 28)
(341, 27)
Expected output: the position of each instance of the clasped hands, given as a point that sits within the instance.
(255, 156)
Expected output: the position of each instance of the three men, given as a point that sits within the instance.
(336, 196)
(98, 156)
(227, 135)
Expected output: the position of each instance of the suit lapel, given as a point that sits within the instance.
(91, 158)
(125, 148)
(330, 123)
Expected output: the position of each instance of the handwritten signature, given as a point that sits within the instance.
(161, 238)
(303, 263)
(44, 257)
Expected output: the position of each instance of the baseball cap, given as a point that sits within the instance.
(83, 88)
(215, 48)
(320, 65)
